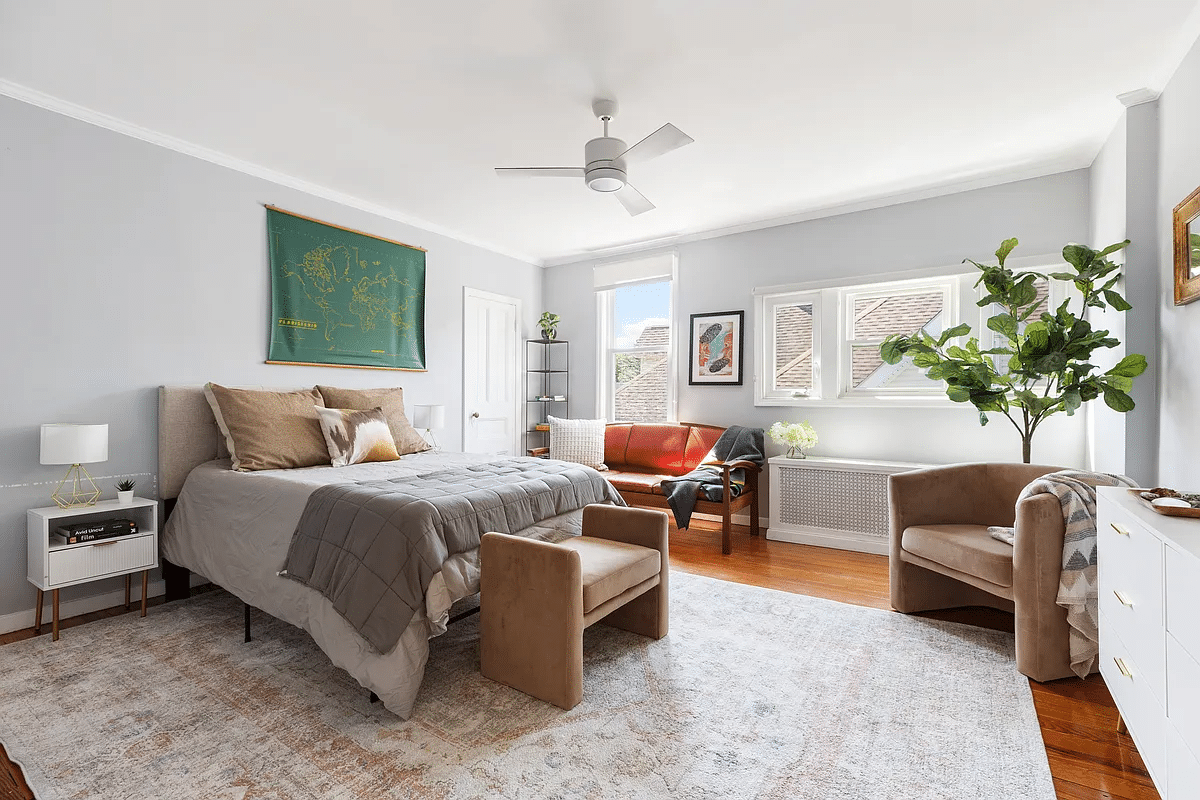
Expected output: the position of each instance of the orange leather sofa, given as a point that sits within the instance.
(640, 455)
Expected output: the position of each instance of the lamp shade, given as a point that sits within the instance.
(74, 443)
(430, 417)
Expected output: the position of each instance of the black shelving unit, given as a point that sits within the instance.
(547, 388)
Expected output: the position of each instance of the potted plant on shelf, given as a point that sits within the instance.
(795, 436)
(1037, 367)
(549, 325)
(125, 491)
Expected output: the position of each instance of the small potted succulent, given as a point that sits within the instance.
(549, 325)
(125, 491)
(795, 436)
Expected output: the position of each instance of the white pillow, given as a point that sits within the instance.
(578, 440)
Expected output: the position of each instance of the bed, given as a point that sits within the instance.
(235, 529)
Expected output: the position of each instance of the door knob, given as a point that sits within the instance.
(475, 415)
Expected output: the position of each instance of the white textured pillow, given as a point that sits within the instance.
(578, 440)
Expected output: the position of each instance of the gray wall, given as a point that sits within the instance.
(720, 274)
(1106, 428)
(1178, 175)
(1142, 287)
(127, 266)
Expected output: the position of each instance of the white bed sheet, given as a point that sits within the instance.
(235, 528)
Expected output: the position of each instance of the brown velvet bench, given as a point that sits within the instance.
(537, 597)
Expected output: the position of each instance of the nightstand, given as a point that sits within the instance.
(53, 565)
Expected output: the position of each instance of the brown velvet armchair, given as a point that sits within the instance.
(943, 557)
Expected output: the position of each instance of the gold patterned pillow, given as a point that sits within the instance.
(356, 436)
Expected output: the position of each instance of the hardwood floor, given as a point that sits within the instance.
(1088, 759)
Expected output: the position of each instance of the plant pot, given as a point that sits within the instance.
(125, 498)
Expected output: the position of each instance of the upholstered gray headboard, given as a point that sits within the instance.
(187, 436)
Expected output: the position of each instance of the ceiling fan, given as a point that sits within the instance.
(606, 157)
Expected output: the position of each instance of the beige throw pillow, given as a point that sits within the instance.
(269, 430)
(391, 401)
(356, 436)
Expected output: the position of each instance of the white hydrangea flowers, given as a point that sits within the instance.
(795, 436)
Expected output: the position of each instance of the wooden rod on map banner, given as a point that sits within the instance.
(344, 366)
(341, 228)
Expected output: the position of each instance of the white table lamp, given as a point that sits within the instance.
(431, 418)
(75, 444)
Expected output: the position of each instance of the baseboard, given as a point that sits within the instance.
(837, 540)
(86, 605)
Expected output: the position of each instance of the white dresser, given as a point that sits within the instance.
(1149, 583)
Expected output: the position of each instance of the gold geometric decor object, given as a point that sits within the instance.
(81, 494)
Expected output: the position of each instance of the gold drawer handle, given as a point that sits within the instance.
(1119, 529)
(104, 544)
(1124, 669)
(1123, 599)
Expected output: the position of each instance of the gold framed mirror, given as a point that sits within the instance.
(1187, 249)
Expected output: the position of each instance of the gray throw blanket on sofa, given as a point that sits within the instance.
(1077, 588)
(735, 444)
(372, 548)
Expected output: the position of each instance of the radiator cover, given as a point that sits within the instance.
(832, 502)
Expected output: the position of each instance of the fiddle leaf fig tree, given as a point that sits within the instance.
(1036, 367)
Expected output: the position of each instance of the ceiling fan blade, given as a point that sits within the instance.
(663, 140)
(545, 172)
(634, 201)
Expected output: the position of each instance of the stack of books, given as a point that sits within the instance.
(91, 531)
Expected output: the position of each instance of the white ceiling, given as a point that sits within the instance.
(795, 106)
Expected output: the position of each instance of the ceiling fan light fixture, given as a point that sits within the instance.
(605, 179)
(604, 160)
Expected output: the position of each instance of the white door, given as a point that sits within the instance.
(491, 372)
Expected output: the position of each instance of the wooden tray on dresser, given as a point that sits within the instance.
(1166, 511)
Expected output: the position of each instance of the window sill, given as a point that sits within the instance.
(894, 401)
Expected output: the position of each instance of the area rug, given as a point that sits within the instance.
(754, 694)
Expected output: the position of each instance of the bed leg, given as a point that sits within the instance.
(374, 697)
(247, 607)
(177, 579)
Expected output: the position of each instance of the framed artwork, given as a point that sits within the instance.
(715, 348)
(344, 298)
(1186, 219)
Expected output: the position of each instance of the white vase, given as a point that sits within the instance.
(125, 498)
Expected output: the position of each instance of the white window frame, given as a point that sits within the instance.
(950, 287)
(607, 351)
(765, 391)
(831, 339)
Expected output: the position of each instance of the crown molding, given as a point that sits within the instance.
(66, 108)
(1138, 96)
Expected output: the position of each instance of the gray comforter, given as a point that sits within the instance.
(373, 547)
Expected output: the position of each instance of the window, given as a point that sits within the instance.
(635, 302)
(789, 357)
(798, 330)
(871, 316)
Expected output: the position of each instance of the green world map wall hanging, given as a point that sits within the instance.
(340, 297)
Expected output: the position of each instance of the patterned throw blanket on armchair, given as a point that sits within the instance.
(1076, 493)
